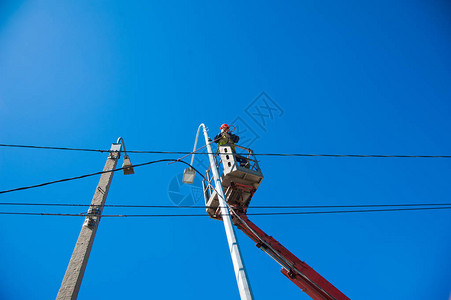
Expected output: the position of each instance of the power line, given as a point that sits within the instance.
(93, 174)
(54, 148)
(204, 215)
(258, 154)
(202, 206)
(348, 211)
(354, 155)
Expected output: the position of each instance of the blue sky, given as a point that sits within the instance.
(347, 77)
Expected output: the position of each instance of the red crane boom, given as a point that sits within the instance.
(300, 273)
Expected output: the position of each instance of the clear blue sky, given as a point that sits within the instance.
(347, 77)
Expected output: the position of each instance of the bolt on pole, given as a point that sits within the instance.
(238, 264)
(77, 264)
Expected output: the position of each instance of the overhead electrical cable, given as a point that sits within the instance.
(93, 174)
(54, 148)
(257, 154)
(202, 206)
(250, 214)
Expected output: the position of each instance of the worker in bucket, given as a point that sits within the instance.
(225, 137)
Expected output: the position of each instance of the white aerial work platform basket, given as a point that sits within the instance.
(241, 175)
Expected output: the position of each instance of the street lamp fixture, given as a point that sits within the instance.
(189, 173)
(127, 167)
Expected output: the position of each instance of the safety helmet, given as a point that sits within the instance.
(224, 126)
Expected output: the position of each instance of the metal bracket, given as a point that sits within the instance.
(115, 148)
(90, 220)
(93, 211)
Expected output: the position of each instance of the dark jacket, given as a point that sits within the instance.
(222, 140)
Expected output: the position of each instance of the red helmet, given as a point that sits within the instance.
(224, 126)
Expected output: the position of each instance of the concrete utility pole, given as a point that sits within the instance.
(77, 264)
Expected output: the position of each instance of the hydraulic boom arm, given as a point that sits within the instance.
(293, 268)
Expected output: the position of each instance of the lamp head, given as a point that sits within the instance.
(188, 175)
(127, 166)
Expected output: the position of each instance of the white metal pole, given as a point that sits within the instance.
(238, 265)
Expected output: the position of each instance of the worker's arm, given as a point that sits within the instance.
(217, 138)
(234, 138)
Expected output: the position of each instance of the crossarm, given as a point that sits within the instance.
(293, 268)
